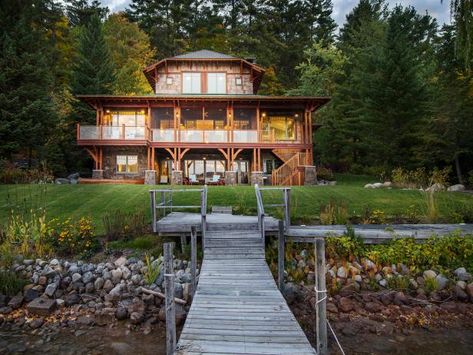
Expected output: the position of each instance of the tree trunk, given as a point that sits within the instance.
(458, 168)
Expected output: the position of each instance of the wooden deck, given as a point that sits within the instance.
(237, 308)
(176, 223)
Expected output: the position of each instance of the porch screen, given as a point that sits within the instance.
(124, 118)
(244, 118)
(162, 118)
(279, 125)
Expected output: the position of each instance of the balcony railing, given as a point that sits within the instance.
(184, 135)
(111, 132)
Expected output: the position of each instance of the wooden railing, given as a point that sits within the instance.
(285, 204)
(162, 204)
(289, 173)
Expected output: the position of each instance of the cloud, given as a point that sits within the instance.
(435, 8)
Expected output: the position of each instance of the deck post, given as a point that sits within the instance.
(281, 256)
(152, 194)
(193, 259)
(320, 297)
(287, 207)
(169, 303)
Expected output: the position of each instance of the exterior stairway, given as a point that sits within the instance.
(290, 173)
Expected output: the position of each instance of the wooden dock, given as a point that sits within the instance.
(238, 308)
(177, 223)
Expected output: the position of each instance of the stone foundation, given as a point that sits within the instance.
(310, 175)
(110, 162)
(256, 177)
(230, 178)
(97, 174)
(176, 177)
(150, 177)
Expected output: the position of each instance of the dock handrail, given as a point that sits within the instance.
(285, 203)
(166, 205)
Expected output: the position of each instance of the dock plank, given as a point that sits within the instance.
(237, 308)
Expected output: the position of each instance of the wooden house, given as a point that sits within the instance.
(204, 124)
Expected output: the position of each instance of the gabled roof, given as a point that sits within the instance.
(257, 72)
(203, 54)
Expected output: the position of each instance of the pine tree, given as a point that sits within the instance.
(27, 114)
(79, 12)
(94, 71)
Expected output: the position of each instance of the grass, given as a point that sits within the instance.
(75, 201)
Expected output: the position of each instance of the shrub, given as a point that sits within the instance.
(13, 175)
(325, 174)
(71, 237)
(430, 285)
(420, 177)
(333, 213)
(153, 268)
(11, 283)
(432, 211)
(121, 225)
(345, 247)
(26, 234)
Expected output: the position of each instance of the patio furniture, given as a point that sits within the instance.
(215, 180)
(193, 179)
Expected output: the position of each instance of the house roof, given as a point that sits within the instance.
(310, 102)
(203, 54)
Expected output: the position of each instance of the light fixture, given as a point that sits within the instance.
(263, 114)
(143, 112)
(107, 111)
(296, 115)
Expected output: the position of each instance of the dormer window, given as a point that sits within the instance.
(191, 83)
(216, 83)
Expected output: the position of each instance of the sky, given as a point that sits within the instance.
(436, 8)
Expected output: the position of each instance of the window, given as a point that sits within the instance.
(191, 83)
(279, 126)
(216, 83)
(238, 81)
(127, 164)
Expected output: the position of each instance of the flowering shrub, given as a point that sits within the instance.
(71, 237)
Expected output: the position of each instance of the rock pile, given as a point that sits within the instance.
(109, 290)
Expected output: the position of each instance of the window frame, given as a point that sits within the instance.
(183, 90)
(217, 74)
(127, 165)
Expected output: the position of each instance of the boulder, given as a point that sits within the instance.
(429, 274)
(99, 283)
(16, 302)
(76, 277)
(400, 298)
(108, 285)
(72, 299)
(41, 306)
(87, 277)
(345, 304)
(442, 281)
(462, 274)
(62, 181)
(121, 313)
(31, 294)
(435, 188)
(457, 187)
(373, 307)
(74, 176)
(36, 323)
(51, 289)
(342, 272)
(116, 276)
(121, 261)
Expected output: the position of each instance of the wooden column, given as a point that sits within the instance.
(101, 159)
(281, 256)
(152, 158)
(169, 302)
(320, 297)
(193, 259)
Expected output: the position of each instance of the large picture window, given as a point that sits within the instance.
(216, 83)
(127, 164)
(191, 83)
(279, 126)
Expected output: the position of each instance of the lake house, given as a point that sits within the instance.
(205, 123)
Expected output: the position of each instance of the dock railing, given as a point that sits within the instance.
(162, 203)
(285, 204)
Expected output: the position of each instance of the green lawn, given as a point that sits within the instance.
(95, 200)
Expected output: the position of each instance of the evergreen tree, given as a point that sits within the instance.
(94, 71)
(27, 114)
(79, 12)
(130, 52)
